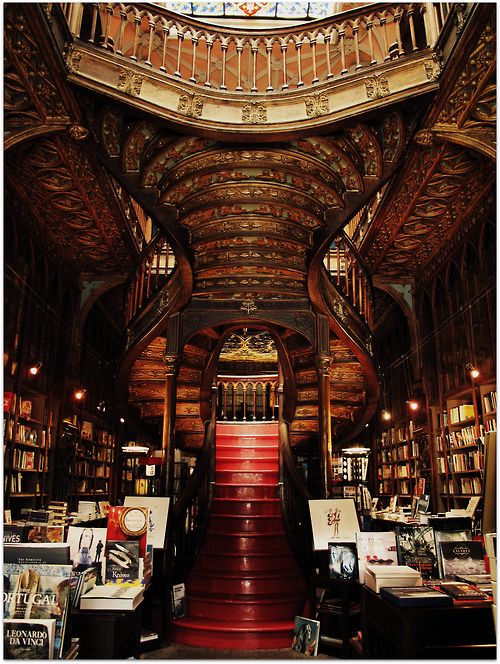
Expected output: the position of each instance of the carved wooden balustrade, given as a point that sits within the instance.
(349, 276)
(236, 60)
(153, 269)
(246, 398)
(140, 223)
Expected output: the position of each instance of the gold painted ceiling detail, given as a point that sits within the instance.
(256, 347)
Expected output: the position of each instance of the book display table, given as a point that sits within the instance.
(460, 632)
(107, 634)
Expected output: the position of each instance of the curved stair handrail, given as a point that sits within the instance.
(294, 497)
(191, 511)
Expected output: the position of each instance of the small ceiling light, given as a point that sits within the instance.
(80, 393)
(413, 405)
(101, 406)
(386, 415)
(33, 370)
(122, 420)
(473, 371)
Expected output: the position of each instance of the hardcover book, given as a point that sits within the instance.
(38, 591)
(13, 534)
(465, 557)
(342, 560)
(128, 523)
(87, 547)
(375, 549)
(44, 534)
(448, 536)
(28, 639)
(417, 549)
(306, 636)
(333, 519)
(463, 591)
(30, 553)
(122, 561)
(157, 518)
(178, 601)
(416, 596)
(111, 597)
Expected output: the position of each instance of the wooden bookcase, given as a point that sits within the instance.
(29, 439)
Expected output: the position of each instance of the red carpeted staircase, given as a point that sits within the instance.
(245, 588)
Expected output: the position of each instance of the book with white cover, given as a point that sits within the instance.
(389, 576)
(333, 519)
(158, 515)
(113, 597)
(376, 549)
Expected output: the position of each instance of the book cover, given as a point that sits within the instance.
(157, 518)
(333, 519)
(13, 534)
(375, 549)
(128, 523)
(122, 561)
(178, 601)
(417, 548)
(416, 596)
(112, 597)
(464, 557)
(305, 636)
(87, 431)
(30, 553)
(44, 534)
(342, 560)
(38, 591)
(463, 591)
(87, 547)
(448, 536)
(25, 408)
(28, 639)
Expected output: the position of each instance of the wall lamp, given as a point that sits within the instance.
(386, 415)
(472, 370)
(80, 393)
(34, 369)
(412, 405)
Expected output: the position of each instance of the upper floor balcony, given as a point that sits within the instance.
(254, 81)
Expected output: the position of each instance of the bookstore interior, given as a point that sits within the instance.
(249, 330)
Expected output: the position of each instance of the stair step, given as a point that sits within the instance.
(246, 428)
(272, 607)
(247, 452)
(247, 491)
(246, 441)
(237, 523)
(251, 465)
(246, 476)
(217, 542)
(258, 635)
(267, 506)
(241, 585)
(251, 563)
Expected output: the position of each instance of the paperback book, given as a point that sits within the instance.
(417, 549)
(178, 601)
(375, 549)
(122, 561)
(13, 534)
(416, 596)
(44, 534)
(38, 592)
(448, 536)
(87, 547)
(28, 638)
(29, 553)
(342, 560)
(306, 636)
(464, 557)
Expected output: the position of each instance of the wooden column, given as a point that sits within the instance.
(325, 366)
(167, 439)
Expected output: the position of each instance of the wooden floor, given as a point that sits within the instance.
(178, 651)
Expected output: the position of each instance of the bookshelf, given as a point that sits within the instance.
(29, 434)
(88, 448)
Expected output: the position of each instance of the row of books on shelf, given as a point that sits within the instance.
(461, 413)
(472, 460)
(490, 402)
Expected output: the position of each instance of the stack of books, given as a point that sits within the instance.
(391, 576)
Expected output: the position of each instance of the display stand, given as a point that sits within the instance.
(107, 634)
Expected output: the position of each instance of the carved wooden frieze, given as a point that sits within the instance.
(129, 82)
(377, 86)
(191, 105)
(317, 105)
(254, 112)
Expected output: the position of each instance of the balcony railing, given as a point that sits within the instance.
(152, 272)
(244, 398)
(256, 61)
(349, 276)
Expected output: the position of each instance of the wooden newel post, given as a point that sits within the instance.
(167, 439)
(325, 367)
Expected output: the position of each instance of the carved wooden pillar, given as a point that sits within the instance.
(167, 439)
(325, 366)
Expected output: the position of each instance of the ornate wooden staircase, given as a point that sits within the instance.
(245, 587)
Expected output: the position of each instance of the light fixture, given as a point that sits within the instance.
(101, 406)
(122, 420)
(35, 368)
(135, 449)
(472, 370)
(386, 415)
(80, 393)
(412, 405)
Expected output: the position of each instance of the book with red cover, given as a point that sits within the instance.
(115, 533)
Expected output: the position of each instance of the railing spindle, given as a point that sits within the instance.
(224, 46)
(180, 40)
(109, 9)
(239, 49)
(313, 48)
(123, 21)
(298, 47)
(210, 43)
(344, 70)
(355, 29)
(194, 41)
(137, 21)
(369, 28)
(254, 50)
(269, 48)
(414, 46)
(284, 47)
(95, 11)
(328, 39)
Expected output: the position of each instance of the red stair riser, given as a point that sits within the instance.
(249, 452)
(267, 507)
(242, 641)
(247, 428)
(231, 490)
(249, 563)
(243, 586)
(248, 544)
(237, 524)
(245, 477)
(225, 610)
(249, 465)
(248, 441)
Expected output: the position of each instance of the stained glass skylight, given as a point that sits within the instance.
(284, 10)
